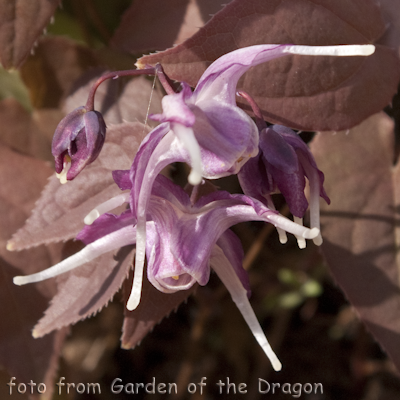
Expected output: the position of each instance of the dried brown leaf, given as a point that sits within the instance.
(23, 356)
(59, 213)
(153, 307)
(21, 24)
(311, 93)
(157, 25)
(360, 227)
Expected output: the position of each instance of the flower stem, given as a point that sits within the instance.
(165, 81)
(114, 75)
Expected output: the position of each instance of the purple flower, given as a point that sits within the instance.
(206, 128)
(184, 241)
(283, 163)
(77, 142)
(182, 237)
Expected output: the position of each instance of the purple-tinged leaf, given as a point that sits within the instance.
(28, 133)
(59, 213)
(153, 307)
(21, 24)
(360, 226)
(157, 25)
(86, 290)
(314, 93)
(21, 180)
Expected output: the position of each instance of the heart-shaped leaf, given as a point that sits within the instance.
(140, 26)
(360, 227)
(304, 92)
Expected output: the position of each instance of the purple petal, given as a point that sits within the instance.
(66, 131)
(255, 180)
(297, 143)
(195, 234)
(159, 150)
(122, 179)
(277, 151)
(166, 189)
(163, 270)
(292, 187)
(227, 137)
(175, 108)
(105, 224)
(221, 77)
(142, 159)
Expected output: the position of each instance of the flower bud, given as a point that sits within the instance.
(77, 142)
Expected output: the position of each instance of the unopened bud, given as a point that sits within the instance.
(77, 142)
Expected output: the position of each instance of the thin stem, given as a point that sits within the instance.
(165, 81)
(114, 75)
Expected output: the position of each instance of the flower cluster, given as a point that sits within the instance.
(183, 236)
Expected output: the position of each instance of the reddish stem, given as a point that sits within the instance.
(115, 75)
(165, 81)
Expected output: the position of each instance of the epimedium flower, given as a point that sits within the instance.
(281, 166)
(206, 129)
(186, 238)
